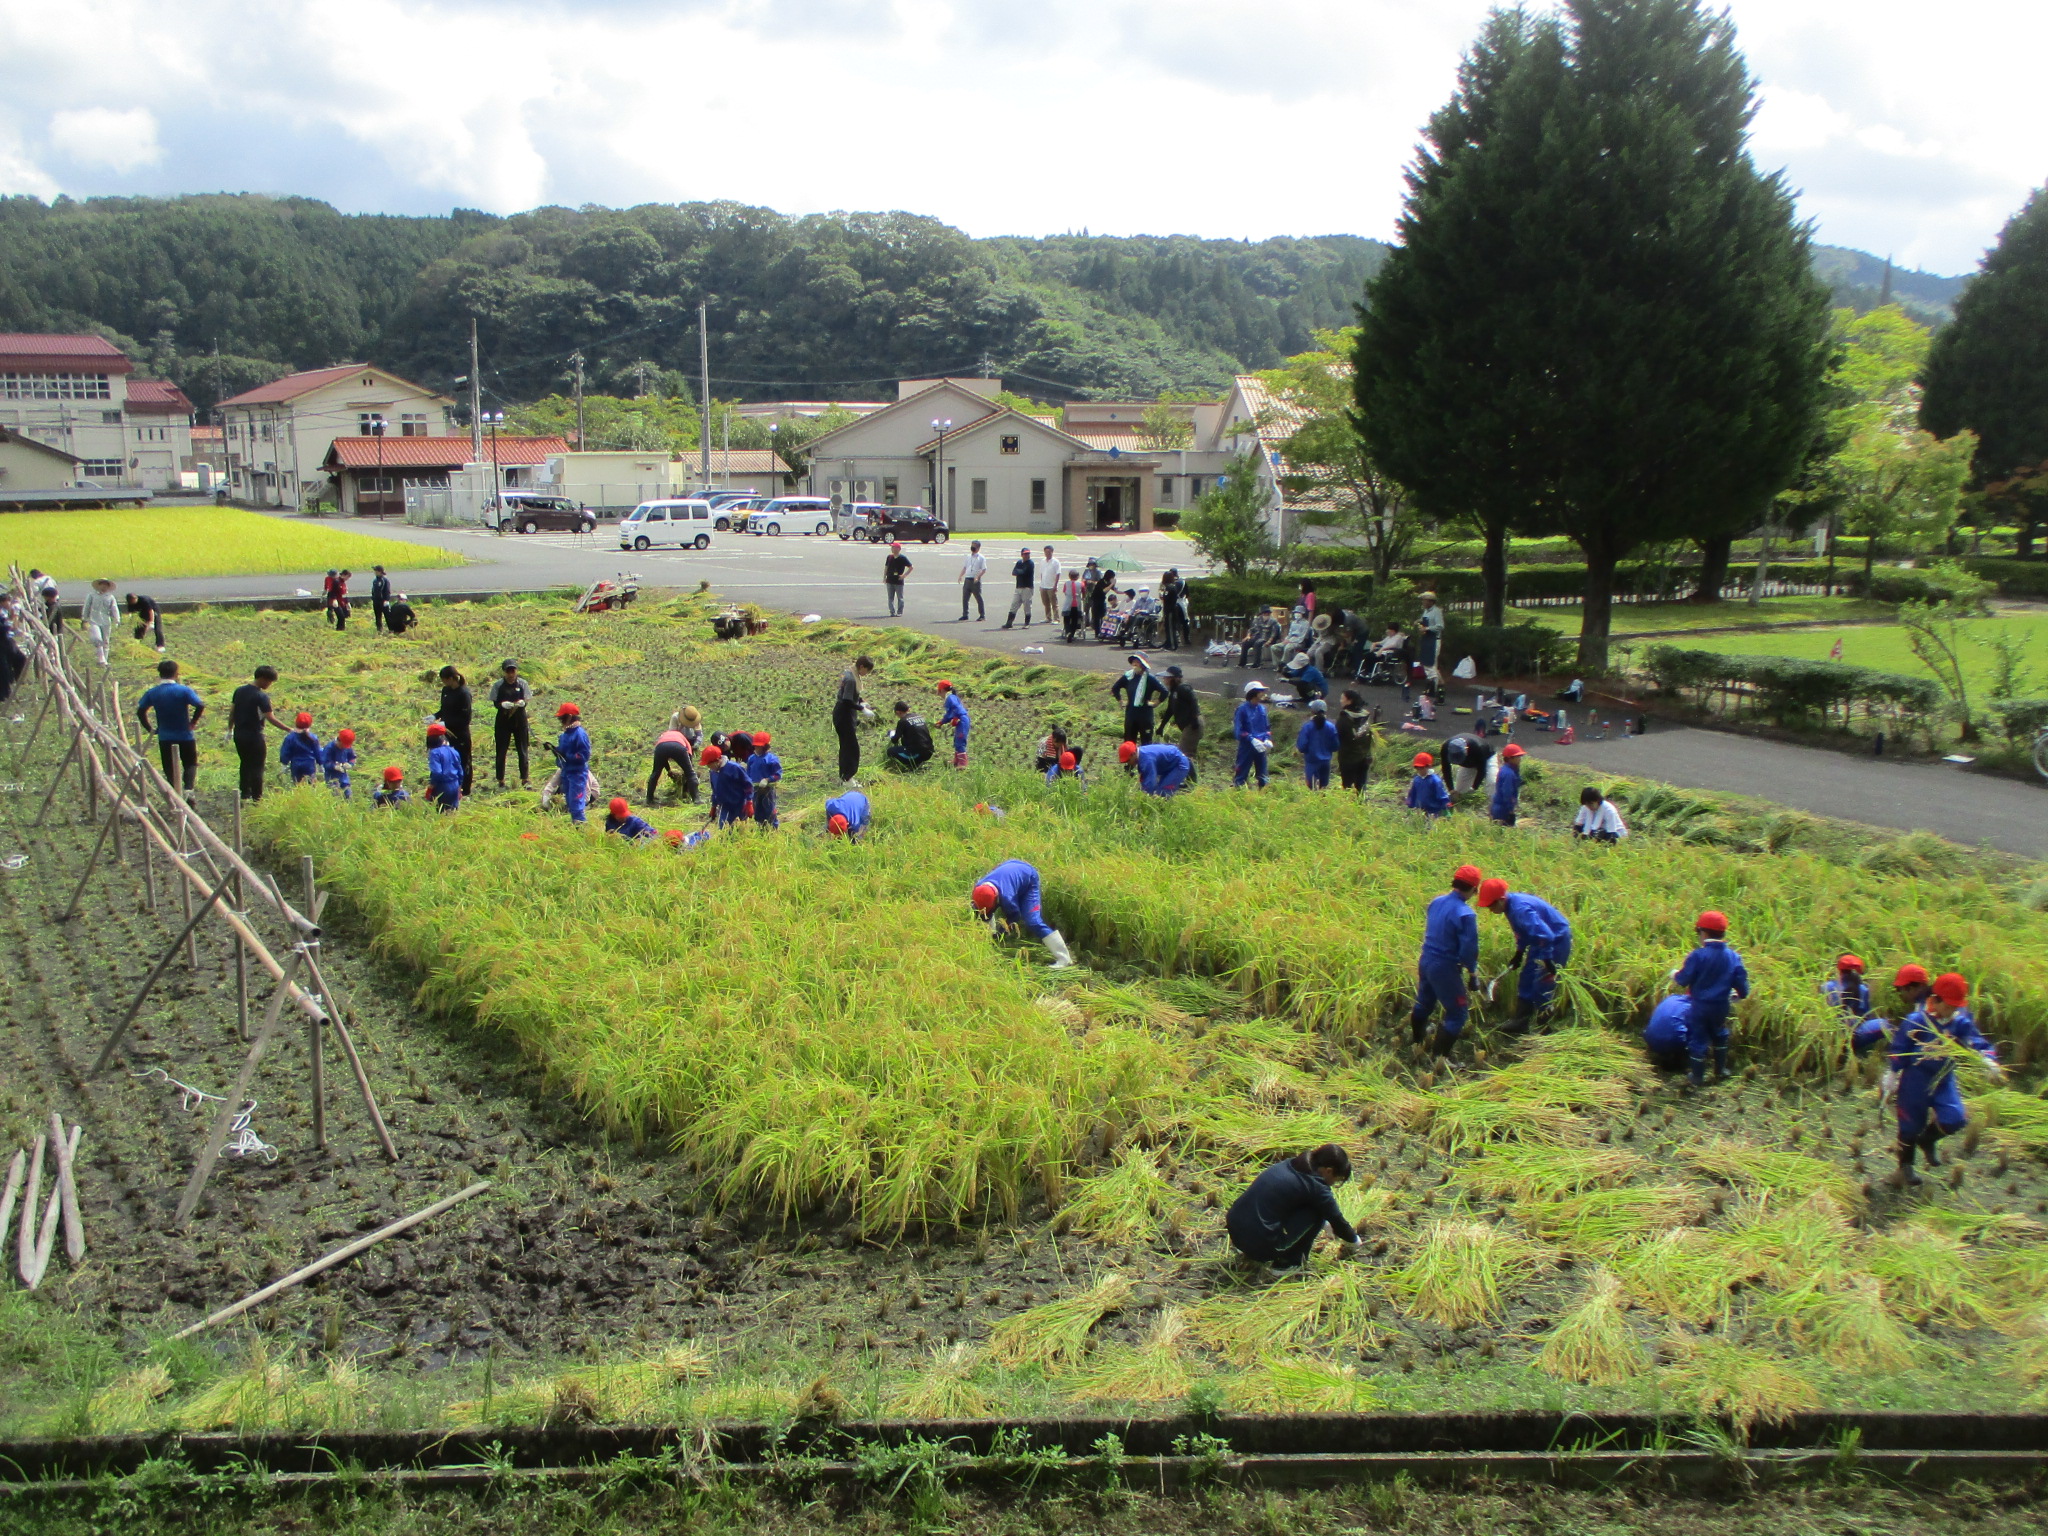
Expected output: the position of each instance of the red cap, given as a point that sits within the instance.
(1951, 989)
(897, 545)
(302, 720)
(712, 757)
(394, 774)
(762, 738)
(1423, 760)
(619, 808)
(984, 897)
(345, 736)
(1849, 963)
(1711, 922)
(566, 711)
(944, 686)
(837, 825)
(1127, 751)
(1068, 762)
(1513, 749)
(674, 836)
(436, 728)
(1467, 875)
(1491, 891)
(1910, 976)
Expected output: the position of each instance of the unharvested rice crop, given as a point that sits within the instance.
(150, 543)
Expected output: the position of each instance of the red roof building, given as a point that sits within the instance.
(371, 474)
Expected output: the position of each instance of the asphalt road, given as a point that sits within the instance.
(842, 580)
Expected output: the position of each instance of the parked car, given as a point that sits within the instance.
(872, 523)
(534, 511)
(730, 513)
(677, 524)
(793, 514)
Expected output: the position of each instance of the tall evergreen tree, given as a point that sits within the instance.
(1602, 320)
(1988, 371)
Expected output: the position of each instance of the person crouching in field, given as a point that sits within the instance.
(336, 758)
(394, 791)
(300, 750)
(620, 821)
(1280, 1215)
(444, 769)
(730, 792)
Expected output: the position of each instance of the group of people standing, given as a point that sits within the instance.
(1080, 602)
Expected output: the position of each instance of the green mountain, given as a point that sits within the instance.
(1862, 281)
(220, 292)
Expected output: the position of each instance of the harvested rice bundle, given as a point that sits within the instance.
(1594, 1343)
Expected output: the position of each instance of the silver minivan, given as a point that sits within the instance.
(679, 524)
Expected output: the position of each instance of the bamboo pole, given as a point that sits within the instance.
(340, 1255)
(67, 1187)
(25, 1244)
(113, 820)
(156, 972)
(15, 1170)
(46, 1238)
(241, 952)
(232, 1104)
(57, 778)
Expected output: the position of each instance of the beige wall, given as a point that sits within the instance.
(278, 449)
(26, 467)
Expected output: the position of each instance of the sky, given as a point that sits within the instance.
(1909, 129)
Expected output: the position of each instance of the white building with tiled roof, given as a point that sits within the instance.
(371, 474)
(279, 433)
(77, 394)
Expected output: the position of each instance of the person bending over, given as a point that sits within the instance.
(1280, 1215)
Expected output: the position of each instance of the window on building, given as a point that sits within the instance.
(102, 469)
(1166, 488)
(1038, 495)
(412, 425)
(1194, 488)
(55, 386)
(517, 475)
(366, 424)
(889, 493)
(977, 495)
(110, 418)
(1010, 444)
(266, 431)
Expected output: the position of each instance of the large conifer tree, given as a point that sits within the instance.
(1601, 320)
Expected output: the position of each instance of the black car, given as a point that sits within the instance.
(535, 513)
(890, 525)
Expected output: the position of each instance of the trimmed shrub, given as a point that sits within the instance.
(1792, 691)
(2015, 578)
(1508, 650)
(2023, 719)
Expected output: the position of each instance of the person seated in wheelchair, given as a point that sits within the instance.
(1114, 621)
(1388, 661)
(1263, 632)
(1141, 624)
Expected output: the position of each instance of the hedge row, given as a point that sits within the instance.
(2023, 719)
(2015, 578)
(1791, 691)
(1526, 584)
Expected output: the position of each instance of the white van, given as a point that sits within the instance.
(681, 524)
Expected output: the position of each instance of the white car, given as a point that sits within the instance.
(793, 514)
(677, 524)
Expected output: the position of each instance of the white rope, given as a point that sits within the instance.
(242, 1138)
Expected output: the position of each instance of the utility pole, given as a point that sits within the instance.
(703, 396)
(476, 399)
(577, 358)
(640, 373)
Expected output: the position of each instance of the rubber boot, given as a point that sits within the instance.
(1062, 957)
(1906, 1173)
(1444, 1043)
(1720, 1063)
(1696, 1072)
(1927, 1141)
(1418, 1026)
(1522, 1020)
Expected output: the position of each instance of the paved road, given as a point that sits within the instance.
(843, 581)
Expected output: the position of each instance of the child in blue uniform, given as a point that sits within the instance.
(1316, 741)
(1847, 991)
(1449, 963)
(1426, 792)
(1665, 1035)
(300, 750)
(1507, 785)
(1012, 888)
(954, 713)
(394, 791)
(1253, 729)
(572, 759)
(336, 758)
(764, 772)
(619, 819)
(847, 815)
(1713, 976)
(1161, 767)
(444, 769)
(1930, 1102)
(1543, 942)
(731, 795)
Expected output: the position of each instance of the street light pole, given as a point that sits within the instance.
(773, 428)
(377, 431)
(491, 419)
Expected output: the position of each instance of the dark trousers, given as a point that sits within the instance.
(181, 762)
(672, 757)
(1292, 1249)
(252, 753)
(510, 729)
(461, 745)
(843, 714)
(1176, 626)
(377, 612)
(970, 592)
(1191, 744)
(143, 626)
(1354, 775)
(1139, 725)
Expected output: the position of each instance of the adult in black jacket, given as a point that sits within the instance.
(1466, 755)
(1183, 713)
(1141, 692)
(399, 615)
(1173, 611)
(1278, 1219)
(456, 708)
(509, 698)
(380, 598)
(1354, 741)
(910, 741)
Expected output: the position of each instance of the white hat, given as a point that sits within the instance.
(1254, 686)
(1317, 706)
(1298, 659)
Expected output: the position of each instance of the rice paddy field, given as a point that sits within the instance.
(145, 543)
(776, 1124)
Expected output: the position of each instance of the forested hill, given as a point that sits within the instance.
(222, 292)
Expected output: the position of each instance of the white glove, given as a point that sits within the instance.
(1262, 744)
(1888, 1090)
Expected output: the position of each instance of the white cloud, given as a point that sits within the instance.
(1218, 117)
(100, 138)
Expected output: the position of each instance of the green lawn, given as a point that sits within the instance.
(1637, 618)
(1884, 647)
(163, 542)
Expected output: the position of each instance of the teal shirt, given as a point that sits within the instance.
(176, 705)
